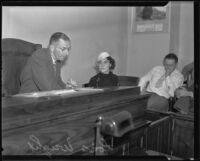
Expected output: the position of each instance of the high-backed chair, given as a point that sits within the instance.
(15, 53)
(128, 80)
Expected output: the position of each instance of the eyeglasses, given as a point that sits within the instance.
(64, 49)
(102, 62)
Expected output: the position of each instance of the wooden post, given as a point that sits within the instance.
(99, 149)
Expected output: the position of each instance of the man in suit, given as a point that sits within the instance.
(184, 94)
(42, 70)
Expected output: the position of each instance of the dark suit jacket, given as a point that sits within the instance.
(101, 80)
(186, 103)
(39, 74)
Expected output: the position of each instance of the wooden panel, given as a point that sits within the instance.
(62, 126)
(183, 136)
(79, 129)
(48, 139)
(21, 111)
(128, 80)
(158, 136)
(173, 136)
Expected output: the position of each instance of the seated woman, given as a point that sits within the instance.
(105, 76)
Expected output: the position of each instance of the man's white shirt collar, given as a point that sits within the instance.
(54, 61)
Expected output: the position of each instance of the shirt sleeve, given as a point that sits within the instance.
(144, 80)
(173, 83)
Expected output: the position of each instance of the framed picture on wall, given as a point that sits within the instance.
(151, 19)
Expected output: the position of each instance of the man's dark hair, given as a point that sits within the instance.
(58, 35)
(171, 56)
(112, 62)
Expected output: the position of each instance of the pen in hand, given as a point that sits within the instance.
(71, 84)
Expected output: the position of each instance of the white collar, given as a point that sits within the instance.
(53, 59)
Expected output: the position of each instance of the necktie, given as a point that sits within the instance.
(160, 82)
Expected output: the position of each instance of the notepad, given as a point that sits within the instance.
(56, 92)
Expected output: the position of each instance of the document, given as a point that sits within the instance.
(46, 93)
(56, 92)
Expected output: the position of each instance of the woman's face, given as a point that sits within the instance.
(104, 66)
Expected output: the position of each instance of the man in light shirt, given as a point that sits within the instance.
(162, 81)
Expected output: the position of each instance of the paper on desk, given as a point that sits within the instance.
(55, 92)
(45, 93)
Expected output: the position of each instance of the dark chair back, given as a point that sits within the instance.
(85, 85)
(124, 81)
(128, 80)
(15, 53)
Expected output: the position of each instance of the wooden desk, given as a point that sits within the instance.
(62, 125)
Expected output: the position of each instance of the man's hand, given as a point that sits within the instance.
(71, 84)
(162, 78)
(167, 73)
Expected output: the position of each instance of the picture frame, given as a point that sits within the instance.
(151, 19)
